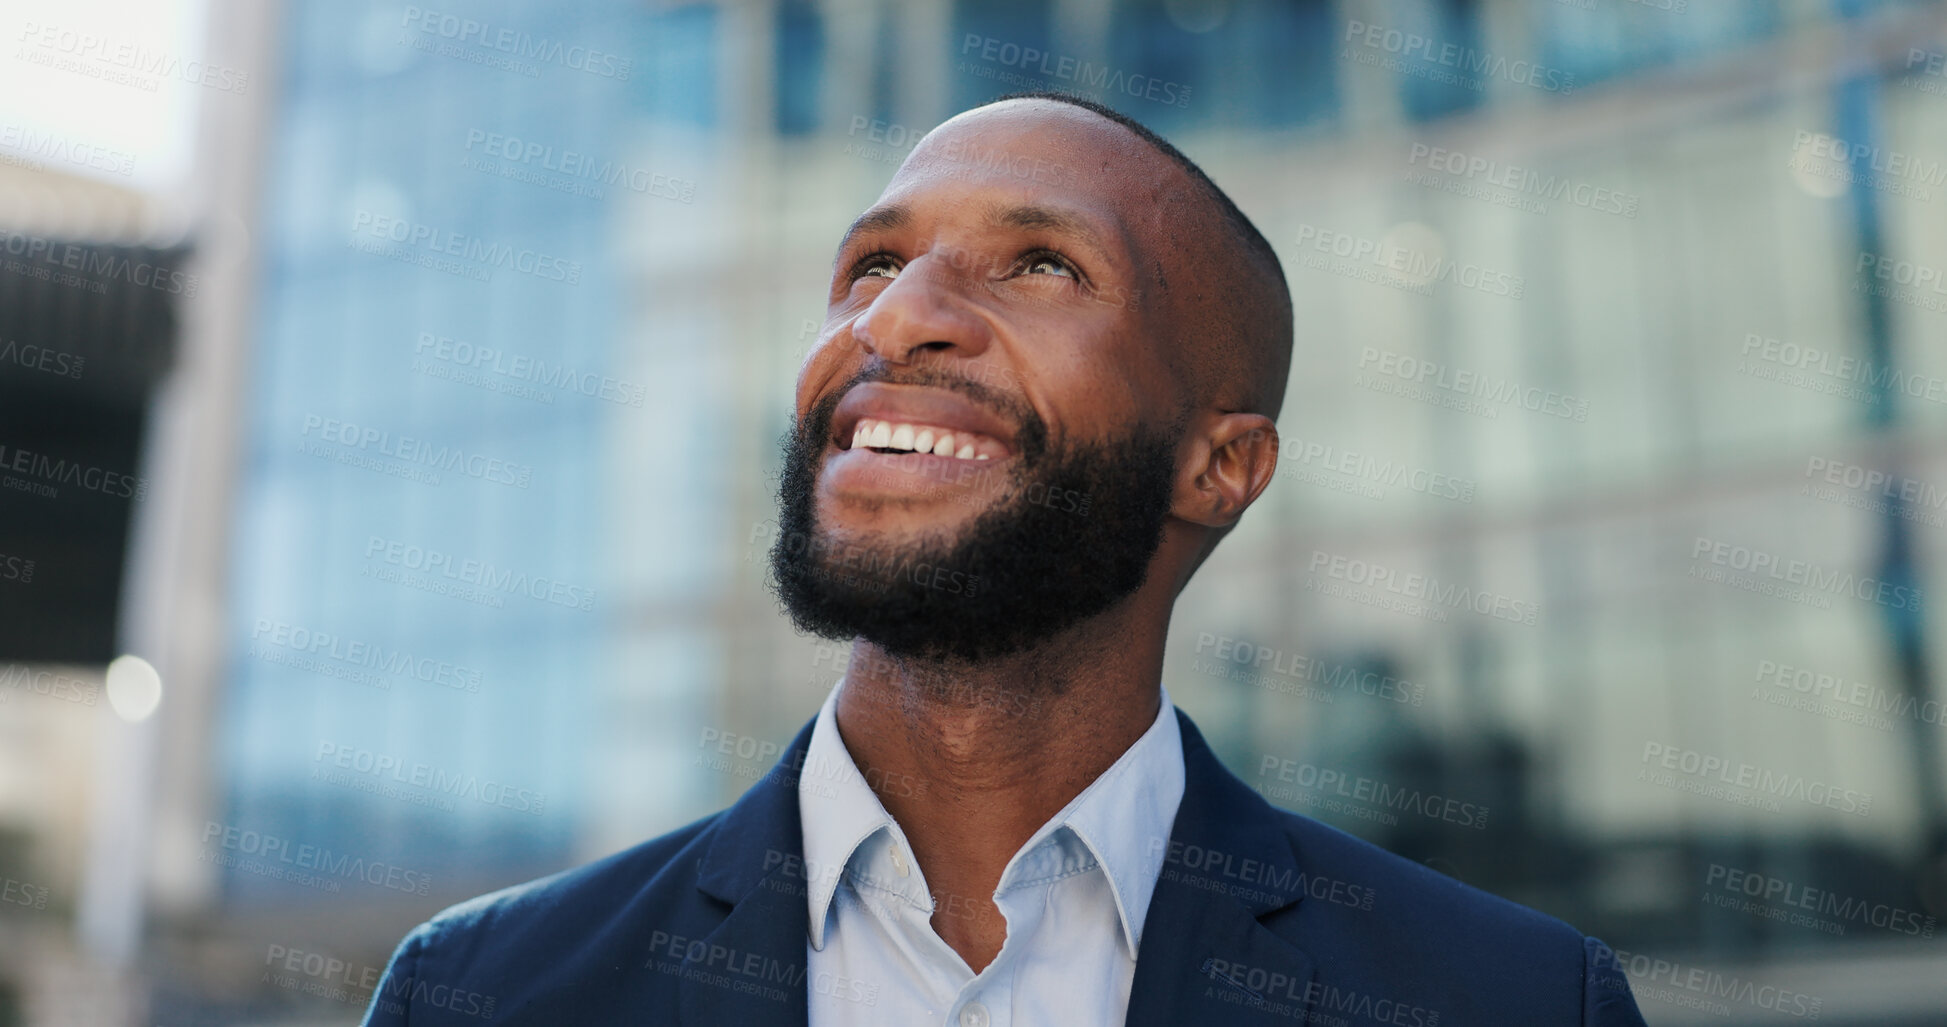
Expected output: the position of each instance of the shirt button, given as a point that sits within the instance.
(973, 1014)
(899, 864)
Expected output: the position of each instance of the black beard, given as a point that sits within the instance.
(1068, 536)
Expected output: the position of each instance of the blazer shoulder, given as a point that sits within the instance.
(1473, 955)
(577, 901)
(1462, 913)
(559, 943)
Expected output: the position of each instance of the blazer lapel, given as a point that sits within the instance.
(751, 968)
(1206, 956)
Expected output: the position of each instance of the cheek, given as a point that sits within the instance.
(1111, 360)
(827, 366)
(1089, 392)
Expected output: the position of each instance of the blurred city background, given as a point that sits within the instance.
(390, 398)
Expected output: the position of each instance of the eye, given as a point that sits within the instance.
(1048, 262)
(876, 265)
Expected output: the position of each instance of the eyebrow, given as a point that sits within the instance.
(1082, 229)
(1034, 218)
(1026, 217)
(878, 219)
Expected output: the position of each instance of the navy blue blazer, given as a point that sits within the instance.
(1261, 917)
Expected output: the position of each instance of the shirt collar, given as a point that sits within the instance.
(839, 812)
(1123, 817)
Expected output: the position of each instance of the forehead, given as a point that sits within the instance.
(1037, 152)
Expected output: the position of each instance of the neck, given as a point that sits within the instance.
(972, 759)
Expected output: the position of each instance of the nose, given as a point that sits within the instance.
(924, 310)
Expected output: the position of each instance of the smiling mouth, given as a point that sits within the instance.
(890, 436)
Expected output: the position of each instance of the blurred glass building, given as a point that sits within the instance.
(1597, 570)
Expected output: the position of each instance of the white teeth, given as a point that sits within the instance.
(871, 434)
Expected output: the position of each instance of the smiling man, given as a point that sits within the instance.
(1044, 391)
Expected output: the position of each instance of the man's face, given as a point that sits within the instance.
(985, 437)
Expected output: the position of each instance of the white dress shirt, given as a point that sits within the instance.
(1074, 898)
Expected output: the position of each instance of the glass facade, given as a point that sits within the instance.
(432, 625)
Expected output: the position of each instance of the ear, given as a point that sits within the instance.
(1230, 461)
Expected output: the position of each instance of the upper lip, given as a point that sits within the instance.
(913, 404)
